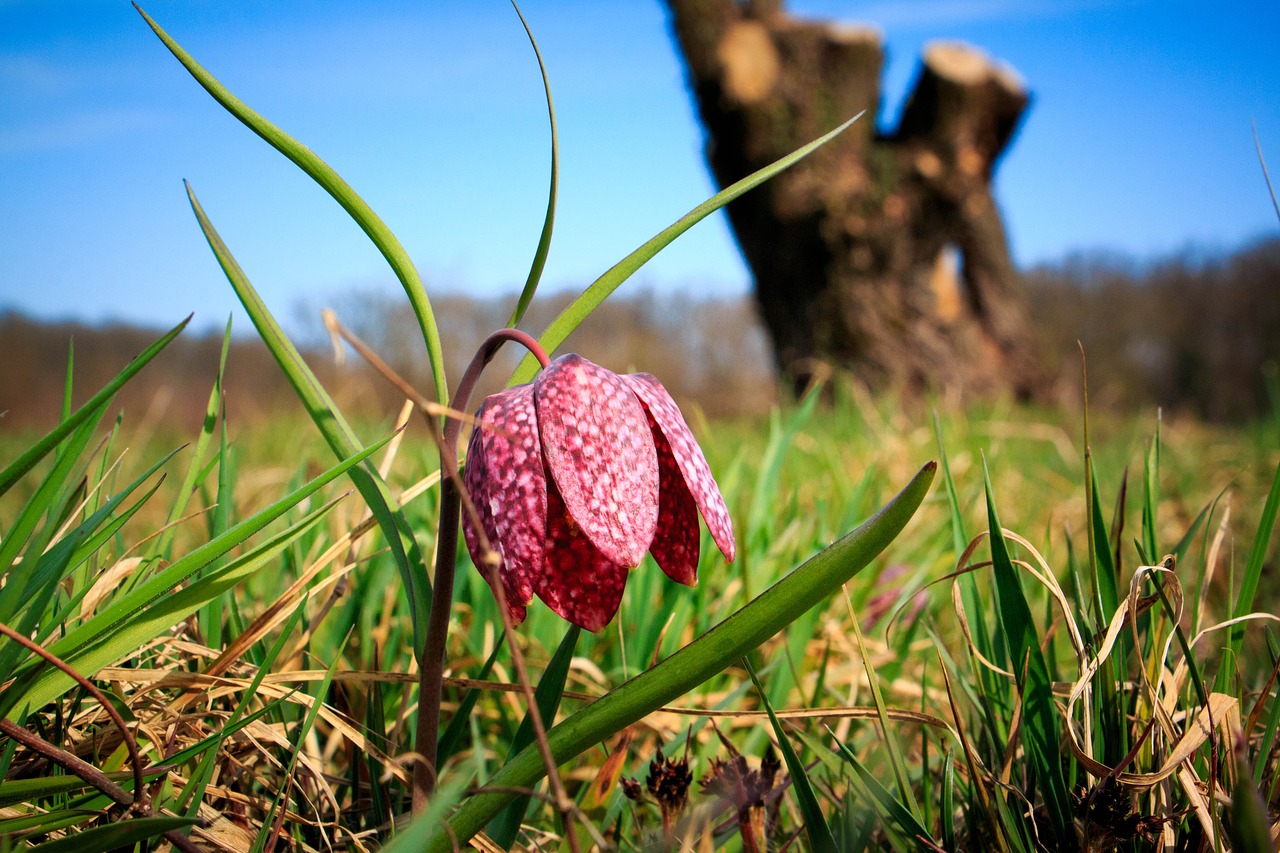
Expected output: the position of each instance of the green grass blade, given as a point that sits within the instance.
(959, 539)
(703, 658)
(212, 410)
(948, 802)
(896, 761)
(109, 635)
(969, 595)
(901, 816)
(324, 175)
(1151, 497)
(815, 823)
(114, 836)
(1266, 743)
(50, 499)
(336, 431)
(1105, 580)
(504, 828)
(67, 383)
(24, 463)
(549, 221)
(1039, 715)
(1249, 583)
(210, 616)
(764, 497)
(16, 791)
(606, 284)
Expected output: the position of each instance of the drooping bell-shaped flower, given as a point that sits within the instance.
(578, 474)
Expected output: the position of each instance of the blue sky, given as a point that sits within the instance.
(1138, 140)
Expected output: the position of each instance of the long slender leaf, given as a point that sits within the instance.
(549, 221)
(1151, 497)
(1249, 583)
(815, 822)
(114, 836)
(504, 828)
(324, 175)
(1039, 716)
(337, 433)
(212, 410)
(901, 816)
(606, 284)
(728, 641)
(896, 760)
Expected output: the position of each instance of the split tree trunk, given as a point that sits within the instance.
(881, 253)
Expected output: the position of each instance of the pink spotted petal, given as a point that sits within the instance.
(577, 581)
(475, 480)
(598, 448)
(688, 455)
(676, 544)
(507, 483)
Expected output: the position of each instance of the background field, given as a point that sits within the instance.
(795, 479)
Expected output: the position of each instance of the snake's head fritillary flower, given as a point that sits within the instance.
(578, 474)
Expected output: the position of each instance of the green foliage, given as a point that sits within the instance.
(260, 650)
(342, 192)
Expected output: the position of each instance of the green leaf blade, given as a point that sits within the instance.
(341, 192)
(613, 278)
(703, 658)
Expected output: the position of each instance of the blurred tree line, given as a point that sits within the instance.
(1197, 332)
(710, 353)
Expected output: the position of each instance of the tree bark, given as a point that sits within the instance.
(883, 253)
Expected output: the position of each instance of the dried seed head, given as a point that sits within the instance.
(631, 789)
(736, 781)
(668, 781)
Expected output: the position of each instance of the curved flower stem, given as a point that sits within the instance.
(431, 663)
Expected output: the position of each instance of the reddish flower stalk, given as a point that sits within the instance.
(431, 664)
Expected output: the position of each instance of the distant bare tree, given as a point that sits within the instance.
(882, 253)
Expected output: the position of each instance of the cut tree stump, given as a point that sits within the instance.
(882, 253)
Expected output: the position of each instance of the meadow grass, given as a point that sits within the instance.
(278, 699)
(1062, 641)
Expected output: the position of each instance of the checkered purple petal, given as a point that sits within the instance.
(677, 543)
(577, 581)
(599, 450)
(507, 484)
(693, 465)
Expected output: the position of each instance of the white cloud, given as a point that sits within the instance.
(34, 75)
(75, 130)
